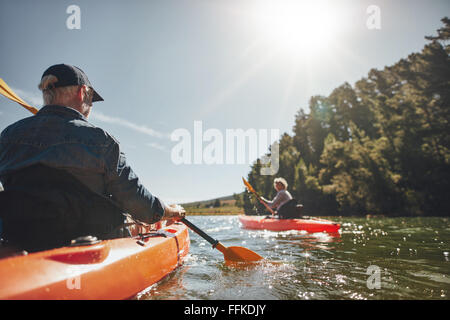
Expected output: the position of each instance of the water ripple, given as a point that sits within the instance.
(410, 254)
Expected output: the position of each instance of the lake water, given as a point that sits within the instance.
(379, 258)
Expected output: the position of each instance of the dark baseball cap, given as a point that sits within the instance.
(68, 75)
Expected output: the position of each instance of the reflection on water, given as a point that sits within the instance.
(411, 255)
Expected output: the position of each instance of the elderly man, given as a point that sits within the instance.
(63, 177)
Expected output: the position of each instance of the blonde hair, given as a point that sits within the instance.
(52, 95)
(280, 180)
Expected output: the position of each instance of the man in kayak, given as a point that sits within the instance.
(63, 177)
(284, 204)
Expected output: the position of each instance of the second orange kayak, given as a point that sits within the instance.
(310, 225)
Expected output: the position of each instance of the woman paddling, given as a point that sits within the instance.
(283, 203)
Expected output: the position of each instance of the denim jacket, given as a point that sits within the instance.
(62, 138)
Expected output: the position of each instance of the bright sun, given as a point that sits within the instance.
(297, 27)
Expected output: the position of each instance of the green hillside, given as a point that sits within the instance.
(218, 206)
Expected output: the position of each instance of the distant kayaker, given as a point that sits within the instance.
(62, 176)
(282, 196)
(284, 204)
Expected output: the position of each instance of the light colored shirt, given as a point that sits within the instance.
(281, 198)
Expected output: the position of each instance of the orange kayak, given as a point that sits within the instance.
(311, 225)
(110, 269)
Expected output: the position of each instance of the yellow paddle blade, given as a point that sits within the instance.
(238, 254)
(8, 95)
(248, 185)
(250, 188)
(6, 91)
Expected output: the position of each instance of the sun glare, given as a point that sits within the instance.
(297, 27)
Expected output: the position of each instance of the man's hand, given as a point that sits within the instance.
(174, 212)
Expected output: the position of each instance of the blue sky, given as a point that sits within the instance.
(161, 65)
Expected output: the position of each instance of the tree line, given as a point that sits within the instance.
(378, 147)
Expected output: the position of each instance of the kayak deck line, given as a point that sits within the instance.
(112, 269)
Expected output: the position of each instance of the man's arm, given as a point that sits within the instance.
(127, 191)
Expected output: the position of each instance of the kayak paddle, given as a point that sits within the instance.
(250, 188)
(6, 91)
(231, 254)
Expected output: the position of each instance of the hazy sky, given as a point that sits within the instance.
(161, 65)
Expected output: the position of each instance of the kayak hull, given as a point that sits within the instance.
(110, 270)
(309, 225)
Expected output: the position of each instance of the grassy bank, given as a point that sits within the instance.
(219, 206)
(224, 210)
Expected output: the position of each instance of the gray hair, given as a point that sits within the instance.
(280, 180)
(53, 95)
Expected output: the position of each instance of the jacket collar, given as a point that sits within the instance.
(58, 109)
